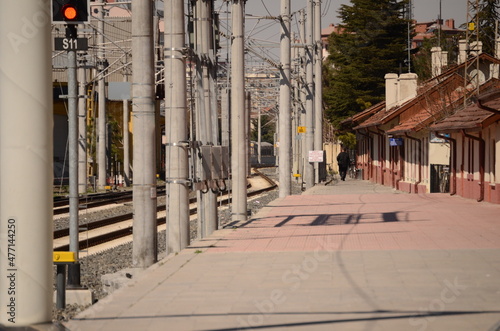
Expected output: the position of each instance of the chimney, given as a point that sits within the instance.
(391, 90)
(436, 61)
(497, 48)
(462, 51)
(476, 48)
(439, 60)
(450, 23)
(407, 87)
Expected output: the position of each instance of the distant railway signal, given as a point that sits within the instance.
(70, 11)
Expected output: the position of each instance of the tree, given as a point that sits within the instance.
(488, 15)
(268, 128)
(422, 59)
(371, 44)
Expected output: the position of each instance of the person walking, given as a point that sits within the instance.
(343, 161)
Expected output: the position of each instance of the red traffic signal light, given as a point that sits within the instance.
(70, 11)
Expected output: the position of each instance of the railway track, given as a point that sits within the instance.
(61, 204)
(118, 227)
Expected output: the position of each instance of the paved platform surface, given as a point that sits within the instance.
(348, 256)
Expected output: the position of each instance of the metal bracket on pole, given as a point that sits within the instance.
(186, 144)
(187, 182)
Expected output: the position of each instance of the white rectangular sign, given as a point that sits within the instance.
(315, 156)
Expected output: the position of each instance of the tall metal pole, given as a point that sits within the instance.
(309, 167)
(73, 270)
(82, 121)
(26, 161)
(238, 157)
(176, 128)
(318, 85)
(225, 104)
(248, 110)
(285, 126)
(101, 91)
(144, 251)
(259, 138)
(126, 136)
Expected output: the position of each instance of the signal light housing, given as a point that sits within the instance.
(70, 11)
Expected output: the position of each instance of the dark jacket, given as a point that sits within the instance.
(343, 159)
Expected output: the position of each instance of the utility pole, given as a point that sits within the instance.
(259, 138)
(73, 269)
(309, 167)
(295, 109)
(285, 127)
(82, 119)
(26, 163)
(302, 94)
(144, 251)
(318, 85)
(209, 198)
(225, 118)
(126, 133)
(101, 92)
(248, 110)
(238, 157)
(176, 128)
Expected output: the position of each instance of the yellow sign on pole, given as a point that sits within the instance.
(301, 129)
(472, 26)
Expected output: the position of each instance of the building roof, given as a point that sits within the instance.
(430, 106)
(362, 116)
(475, 116)
(419, 112)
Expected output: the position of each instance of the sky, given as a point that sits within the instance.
(266, 33)
(424, 10)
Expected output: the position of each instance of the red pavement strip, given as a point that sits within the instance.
(367, 222)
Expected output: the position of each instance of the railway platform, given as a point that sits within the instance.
(346, 256)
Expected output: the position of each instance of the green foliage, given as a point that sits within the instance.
(488, 15)
(268, 128)
(348, 140)
(422, 60)
(372, 44)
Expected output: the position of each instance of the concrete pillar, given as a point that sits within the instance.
(285, 133)
(82, 120)
(102, 137)
(176, 129)
(225, 118)
(318, 85)
(126, 143)
(302, 94)
(391, 90)
(26, 163)
(238, 156)
(309, 166)
(144, 252)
